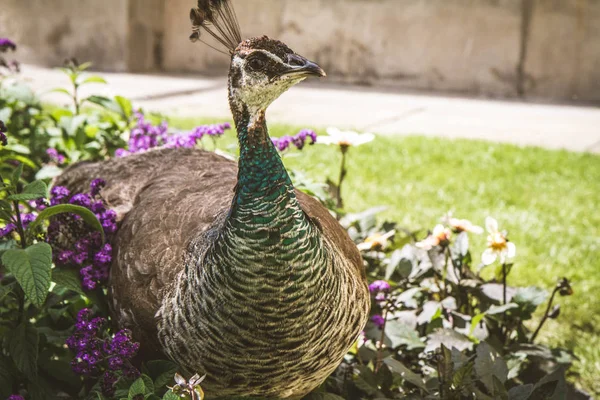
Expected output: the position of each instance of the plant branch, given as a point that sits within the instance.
(545, 317)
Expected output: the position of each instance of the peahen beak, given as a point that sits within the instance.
(300, 66)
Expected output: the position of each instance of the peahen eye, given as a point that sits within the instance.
(256, 64)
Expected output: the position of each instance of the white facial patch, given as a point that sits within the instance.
(254, 88)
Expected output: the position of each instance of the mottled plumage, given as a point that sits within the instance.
(227, 269)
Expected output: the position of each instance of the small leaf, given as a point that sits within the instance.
(126, 107)
(170, 396)
(23, 345)
(69, 279)
(406, 374)
(401, 334)
(93, 79)
(449, 338)
(137, 387)
(32, 269)
(16, 175)
(60, 90)
(83, 212)
(31, 191)
(521, 392)
(6, 290)
(48, 171)
(489, 365)
(161, 371)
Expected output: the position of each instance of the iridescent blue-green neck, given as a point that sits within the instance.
(262, 178)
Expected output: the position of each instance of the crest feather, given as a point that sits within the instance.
(217, 17)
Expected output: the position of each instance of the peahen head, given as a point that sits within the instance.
(261, 68)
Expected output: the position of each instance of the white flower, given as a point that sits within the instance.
(461, 225)
(376, 241)
(439, 236)
(498, 244)
(345, 138)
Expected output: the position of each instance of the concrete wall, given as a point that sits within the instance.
(503, 48)
(48, 32)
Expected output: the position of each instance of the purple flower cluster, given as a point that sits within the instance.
(96, 354)
(378, 321)
(7, 44)
(3, 138)
(298, 140)
(55, 156)
(26, 219)
(379, 286)
(15, 397)
(73, 242)
(145, 136)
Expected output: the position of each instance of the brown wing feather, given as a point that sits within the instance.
(165, 198)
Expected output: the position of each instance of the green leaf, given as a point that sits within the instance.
(69, 279)
(530, 295)
(48, 171)
(106, 103)
(449, 338)
(21, 159)
(401, 334)
(60, 90)
(162, 371)
(32, 269)
(137, 387)
(18, 148)
(23, 345)
(489, 365)
(171, 396)
(462, 377)
(83, 212)
(500, 309)
(31, 191)
(405, 373)
(126, 107)
(6, 290)
(93, 79)
(521, 392)
(16, 175)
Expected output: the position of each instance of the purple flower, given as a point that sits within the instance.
(7, 44)
(7, 230)
(15, 397)
(64, 256)
(55, 156)
(121, 153)
(81, 199)
(59, 195)
(379, 286)
(298, 140)
(97, 354)
(378, 321)
(96, 185)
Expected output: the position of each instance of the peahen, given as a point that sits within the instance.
(228, 270)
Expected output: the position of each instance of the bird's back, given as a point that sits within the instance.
(165, 199)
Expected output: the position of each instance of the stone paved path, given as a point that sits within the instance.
(319, 103)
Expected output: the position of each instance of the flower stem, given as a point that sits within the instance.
(545, 317)
(503, 283)
(381, 339)
(343, 171)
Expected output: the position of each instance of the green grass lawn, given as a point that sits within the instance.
(547, 200)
